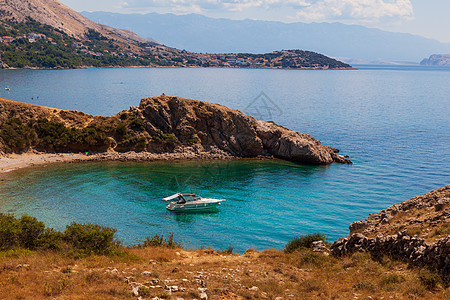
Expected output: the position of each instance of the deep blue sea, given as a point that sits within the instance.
(394, 122)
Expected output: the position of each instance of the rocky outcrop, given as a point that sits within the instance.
(159, 125)
(416, 231)
(400, 246)
(294, 146)
(232, 131)
(430, 211)
(437, 60)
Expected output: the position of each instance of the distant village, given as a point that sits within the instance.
(34, 37)
(160, 55)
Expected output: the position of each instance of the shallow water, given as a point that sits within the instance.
(393, 122)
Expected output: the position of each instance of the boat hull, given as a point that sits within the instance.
(192, 207)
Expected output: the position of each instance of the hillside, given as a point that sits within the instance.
(59, 16)
(159, 125)
(204, 34)
(31, 44)
(48, 34)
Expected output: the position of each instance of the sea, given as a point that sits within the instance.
(393, 121)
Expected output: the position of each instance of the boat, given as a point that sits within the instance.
(183, 202)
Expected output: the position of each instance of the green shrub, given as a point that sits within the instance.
(90, 237)
(57, 137)
(9, 231)
(121, 129)
(16, 135)
(305, 241)
(160, 241)
(228, 250)
(31, 232)
(137, 124)
(52, 240)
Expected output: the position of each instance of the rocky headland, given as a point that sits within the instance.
(160, 127)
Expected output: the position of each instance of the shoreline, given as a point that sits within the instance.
(14, 162)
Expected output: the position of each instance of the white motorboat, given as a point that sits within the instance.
(191, 202)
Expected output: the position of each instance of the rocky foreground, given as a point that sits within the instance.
(159, 125)
(417, 231)
(358, 267)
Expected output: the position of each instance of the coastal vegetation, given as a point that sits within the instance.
(86, 261)
(45, 135)
(35, 45)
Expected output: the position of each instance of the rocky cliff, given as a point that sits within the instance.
(161, 124)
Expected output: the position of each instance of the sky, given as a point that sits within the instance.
(429, 18)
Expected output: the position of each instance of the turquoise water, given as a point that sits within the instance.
(393, 122)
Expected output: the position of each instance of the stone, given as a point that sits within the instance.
(254, 289)
(441, 203)
(115, 272)
(146, 273)
(357, 225)
(318, 246)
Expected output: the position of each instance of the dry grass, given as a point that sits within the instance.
(424, 222)
(255, 275)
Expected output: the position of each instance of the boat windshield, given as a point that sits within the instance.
(183, 198)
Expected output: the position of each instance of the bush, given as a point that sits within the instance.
(9, 231)
(160, 241)
(305, 241)
(52, 240)
(16, 135)
(90, 237)
(137, 124)
(31, 231)
(228, 250)
(121, 130)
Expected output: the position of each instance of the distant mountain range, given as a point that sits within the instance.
(198, 33)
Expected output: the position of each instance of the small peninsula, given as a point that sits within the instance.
(163, 127)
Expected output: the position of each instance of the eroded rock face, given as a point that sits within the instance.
(232, 131)
(294, 146)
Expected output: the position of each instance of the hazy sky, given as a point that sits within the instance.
(427, 18)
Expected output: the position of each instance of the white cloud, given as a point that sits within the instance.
(366, 11)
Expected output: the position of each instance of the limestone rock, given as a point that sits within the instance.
(232, 131)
